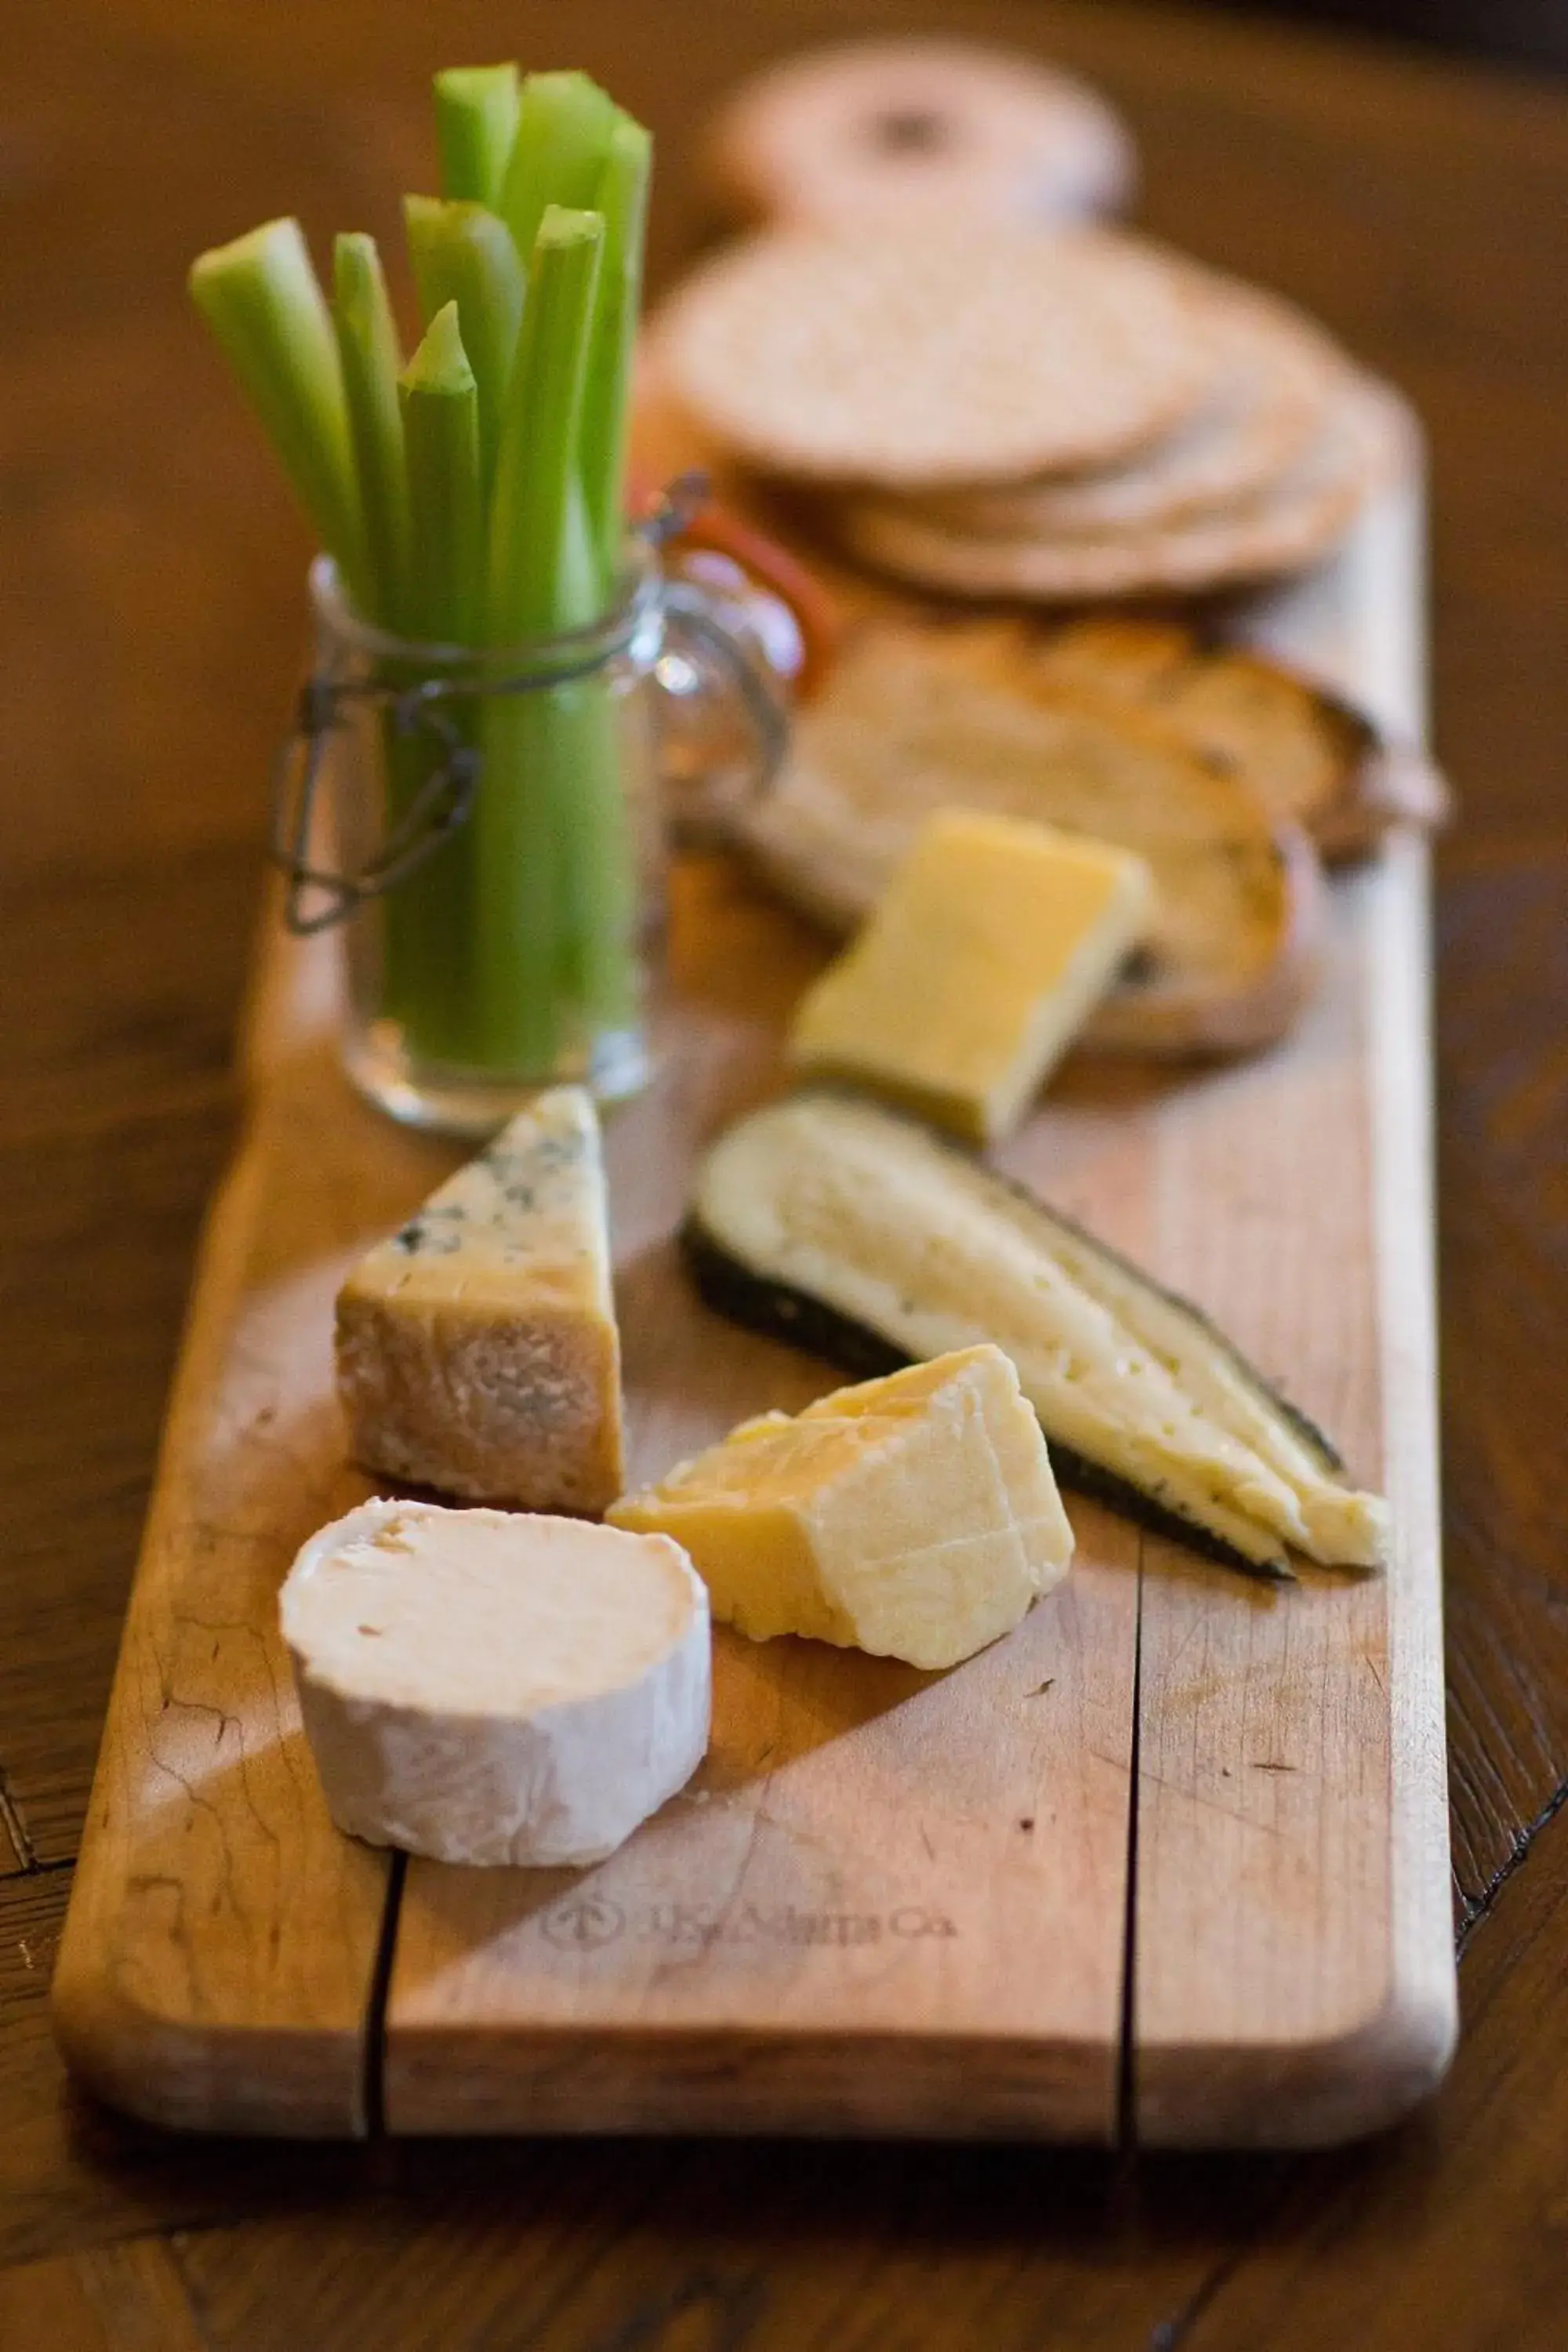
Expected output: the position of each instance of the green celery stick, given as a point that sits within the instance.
(622, 198)
(564, 129)
(543, 580)
(261, 299)
(441, 424)
(427, 916)
(463, 254)
(475, 123)
(596, 911)
(368, 351)
(533, 589)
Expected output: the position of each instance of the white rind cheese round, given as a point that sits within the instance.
(487, 1687)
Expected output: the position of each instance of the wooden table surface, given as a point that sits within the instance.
(152, 577)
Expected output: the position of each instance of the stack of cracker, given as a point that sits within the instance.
(1053, 415)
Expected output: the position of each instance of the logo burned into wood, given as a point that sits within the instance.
(586, 1923)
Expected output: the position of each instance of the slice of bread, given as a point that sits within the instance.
(917, 719)
(1311, 759)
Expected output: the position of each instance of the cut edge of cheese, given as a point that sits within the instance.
(478, 1352)
(491, 1687)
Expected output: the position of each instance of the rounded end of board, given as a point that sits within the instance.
(183, 2075)
(1317, 2094)
(115, 2047)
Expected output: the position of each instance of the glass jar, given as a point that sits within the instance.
(489, 824)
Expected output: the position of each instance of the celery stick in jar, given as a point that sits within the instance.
(543, 580)
(564, 128)
(370, 357)
(622, 198)
(261, 298)
(441, 424)
(463, 254)
(476, 124)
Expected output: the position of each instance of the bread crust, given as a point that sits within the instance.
(1314, 759)
(919, 718)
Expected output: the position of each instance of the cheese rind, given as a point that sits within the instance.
(476, 1349)
(490, 1687)
(915, 1516)
(995, 940)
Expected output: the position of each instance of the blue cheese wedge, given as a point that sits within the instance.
(489, 1687)
(915, 1516)
(476, 1349)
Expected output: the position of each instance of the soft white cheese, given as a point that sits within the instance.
(485, 1687)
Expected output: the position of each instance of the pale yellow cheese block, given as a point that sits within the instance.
(991, 946)
(477, 1351)
(915, 1516)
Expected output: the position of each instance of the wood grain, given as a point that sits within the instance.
(758, 2246)
(889, 1901)
(1292, 1745)
(79, 1483)
(1503, 1145)
(1294, 1977)
(866, 1848)
(217, 1912)
(1450, 2233)
(1267, 1725)
(154, 614)
(1428, 256)
(1017, 2248)
(74, 2174)
(126, 2298)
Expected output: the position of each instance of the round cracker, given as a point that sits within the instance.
(1368, 435)
(1279, 373)
(915, 359)
(931, 130)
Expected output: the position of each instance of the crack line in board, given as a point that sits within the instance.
(371, 2090)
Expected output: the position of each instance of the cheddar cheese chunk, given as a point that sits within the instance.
(916, 1517)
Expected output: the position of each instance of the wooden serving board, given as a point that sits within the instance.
(1169, 1861)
